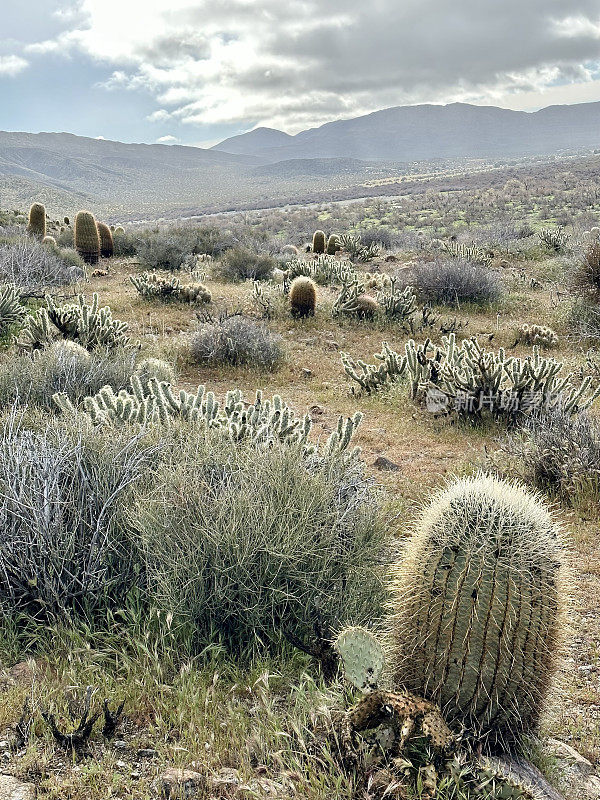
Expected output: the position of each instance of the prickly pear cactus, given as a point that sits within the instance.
(478, 608)
(362, 657)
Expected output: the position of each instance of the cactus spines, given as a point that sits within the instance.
(37, 220)
(303, 297)
(333, 245)
(318, 243)
(87, 239)
(50, 241)
(366, 306)
(107, 247)
(478, 604)
(538, 334)
(362, 657)
(119, 229)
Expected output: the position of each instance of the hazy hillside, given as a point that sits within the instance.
(414, 133)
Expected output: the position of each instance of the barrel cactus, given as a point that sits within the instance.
(50, 241)
(303, 297)
(107, 247)
(87, 239)
(478, 608)
(333, 245)
(318, 244)
(37, 220)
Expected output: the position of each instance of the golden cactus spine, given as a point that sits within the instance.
(318, 243)
(303, 297)
(478, 608)
(87, 239)
(37, 220)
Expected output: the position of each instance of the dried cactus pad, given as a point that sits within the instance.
(362, 657)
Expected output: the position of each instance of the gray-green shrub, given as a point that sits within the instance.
(237, 340)
(241, 263)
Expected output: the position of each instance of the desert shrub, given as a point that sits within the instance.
(456, 280)
(555, 240)
(380, 237)
(583, 319)
(586, 277)
(62, 490)
(33, 267)
(555, 452)
(237, 340)
(243, 545)
(162, 249)
(124, 242)
(66, 367)
(241, 263)
(154, 368)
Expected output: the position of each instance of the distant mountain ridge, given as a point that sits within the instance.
(422, 132)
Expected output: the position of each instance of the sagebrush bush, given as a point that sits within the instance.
(241, 263)
(125, 242)
(244, 545)
(63, 489)
(65, 367)
(556, 452)
(33, 267)
(586, 277)
(237, 340)
(455, 280)
(162, 249)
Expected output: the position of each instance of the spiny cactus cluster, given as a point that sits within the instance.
(353, 301)
(12, 312)
(352, 244)
(37, 220)
(303, 297)
(470, 252)
(263, 422)
(152, 285)
(266, 297)
(556, 239)
(392, 302)
(91, 326)
(477, 604)
(467, 380)
(86, 237)
(538, 334)
(107, 247)
(324, 270)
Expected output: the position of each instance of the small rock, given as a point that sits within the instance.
(119, 744)
(383, 463)
(307, 372)
(574, 759)
(121, 765)
(13, 789)
(147, 752)
(333, 345)
(135, 776)
(316, 411)
(180, 783)
(4, 745)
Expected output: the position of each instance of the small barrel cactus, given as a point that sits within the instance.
(107, 247)
(37, 220)
(478, 606)
(154, 369)
(303, 297)
(50, 241)
(367, 307)
(87, 239)
(333, 245)
(318, 243)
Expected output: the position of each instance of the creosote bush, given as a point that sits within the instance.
(237, 340)
(454, 281)
(241, 263)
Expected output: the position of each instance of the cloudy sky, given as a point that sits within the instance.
(196, 71)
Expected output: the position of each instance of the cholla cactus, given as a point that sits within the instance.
(398, 304)
(152, 285)
(357, 251)
(537, 334)
(89, 325)
(318, 242)
(324, 270)
(470, 252)
(37, 221)
(477, 607)
(467, 380)
(262, 423)
(556, 239)
(86, 237)
(154, 369)
(11, 310)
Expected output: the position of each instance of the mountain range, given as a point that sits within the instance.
(422, 132)
(269, 167)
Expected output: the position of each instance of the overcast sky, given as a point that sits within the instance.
(196, 71)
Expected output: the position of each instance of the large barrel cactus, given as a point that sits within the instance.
(36, 225)
(478, 604)
(87, 238)
(107, 247)
(318, 243)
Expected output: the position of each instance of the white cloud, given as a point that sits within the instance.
(12, 65)
(263, 62)
(167, 139)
